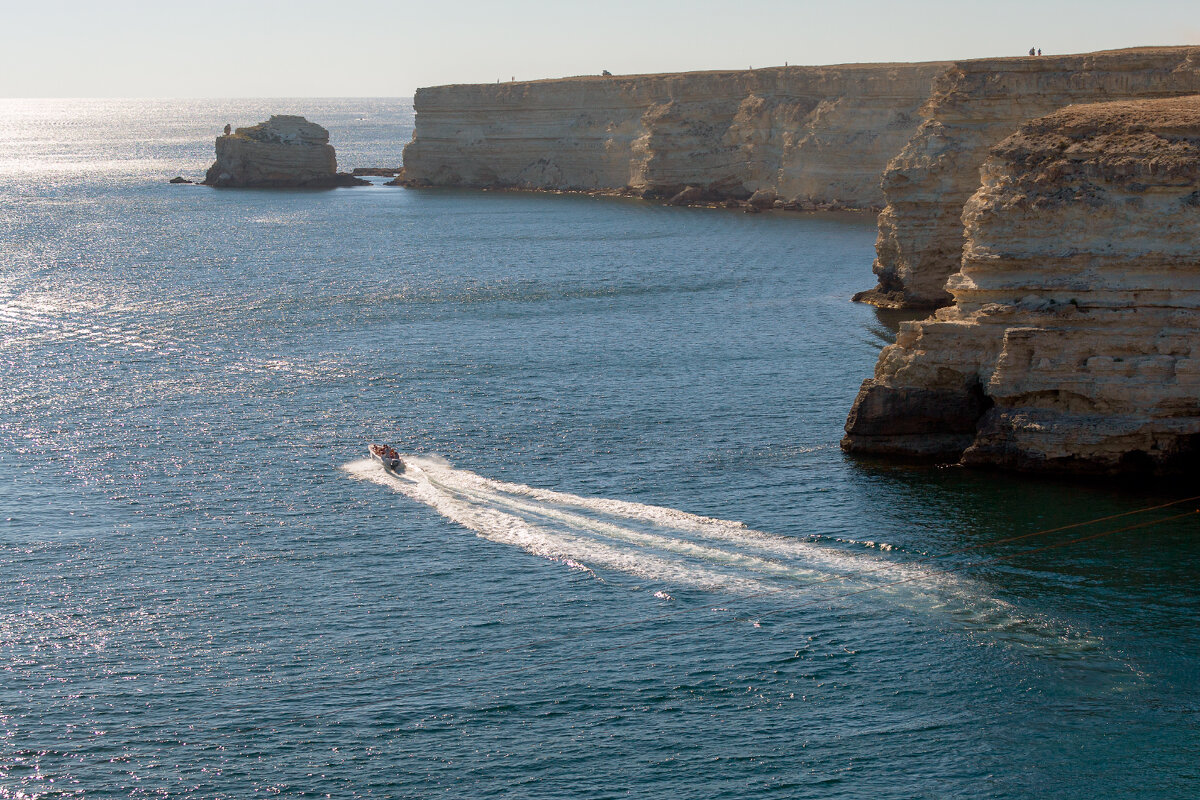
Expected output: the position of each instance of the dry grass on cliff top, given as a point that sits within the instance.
(1148, 142)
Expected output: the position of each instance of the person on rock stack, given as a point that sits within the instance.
(228, 129)
(1039, 51)
(1031, 50)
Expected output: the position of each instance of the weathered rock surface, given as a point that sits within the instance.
(284, 151)
(819, 135)
(1072, 344)
(763, 198)
(974, 105)
(688, 196)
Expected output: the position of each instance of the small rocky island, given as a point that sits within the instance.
(283, 152)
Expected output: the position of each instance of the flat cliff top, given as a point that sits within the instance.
(1021, 62)
(968, 87)
(284, 129)
(719, 73)
(1059, 60)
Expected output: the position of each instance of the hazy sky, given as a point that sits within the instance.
(252, 48)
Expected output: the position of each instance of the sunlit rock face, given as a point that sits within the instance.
(818, 135)
(284, 151)
(974, 105)
(1072, 343)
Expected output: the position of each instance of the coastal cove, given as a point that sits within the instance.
(637, 562)
(1106, 387)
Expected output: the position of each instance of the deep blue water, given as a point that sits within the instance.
(208, 593)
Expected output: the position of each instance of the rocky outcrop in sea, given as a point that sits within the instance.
(1071, 344)
(285, 151)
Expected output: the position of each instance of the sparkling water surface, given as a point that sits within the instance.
(629, 558)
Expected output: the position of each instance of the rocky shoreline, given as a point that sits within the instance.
(688, 197)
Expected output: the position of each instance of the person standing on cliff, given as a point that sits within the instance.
(1039, 51)
(227, 129)
(1031, 51)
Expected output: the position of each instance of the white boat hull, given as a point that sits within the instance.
(392, 464)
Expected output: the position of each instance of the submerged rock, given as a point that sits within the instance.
(689, 195)
(284, 151)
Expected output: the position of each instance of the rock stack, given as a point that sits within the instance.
(285, 151)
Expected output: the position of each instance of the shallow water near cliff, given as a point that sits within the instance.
(629, 559)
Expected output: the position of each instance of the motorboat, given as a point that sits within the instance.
(385, 455)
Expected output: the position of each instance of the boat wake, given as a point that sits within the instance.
(671, 550)
(651, 542)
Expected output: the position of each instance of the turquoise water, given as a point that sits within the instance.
(630, 559)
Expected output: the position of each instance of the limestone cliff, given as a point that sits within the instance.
(284, 151)
(974, 105)
(803, 134)
(1072, 342)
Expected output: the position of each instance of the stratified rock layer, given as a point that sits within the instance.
(1072, 344)
(817, 135)
(284, 151)
(974, 105)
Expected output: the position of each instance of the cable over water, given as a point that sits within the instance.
(441, 477)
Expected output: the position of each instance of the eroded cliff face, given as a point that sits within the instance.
(284, 151)
(1072, 343)
(974, 105)
(803, 134)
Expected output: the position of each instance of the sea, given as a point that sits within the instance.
(628, 557)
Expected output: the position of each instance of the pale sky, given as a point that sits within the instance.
(300, 48)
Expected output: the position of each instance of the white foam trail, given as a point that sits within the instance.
(625, 533)
(652, 542)
(710, 539)
(682, 549)
(428, 482)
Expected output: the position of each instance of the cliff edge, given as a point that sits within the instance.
(801, 135)
(973, 106)
(1071, 343)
